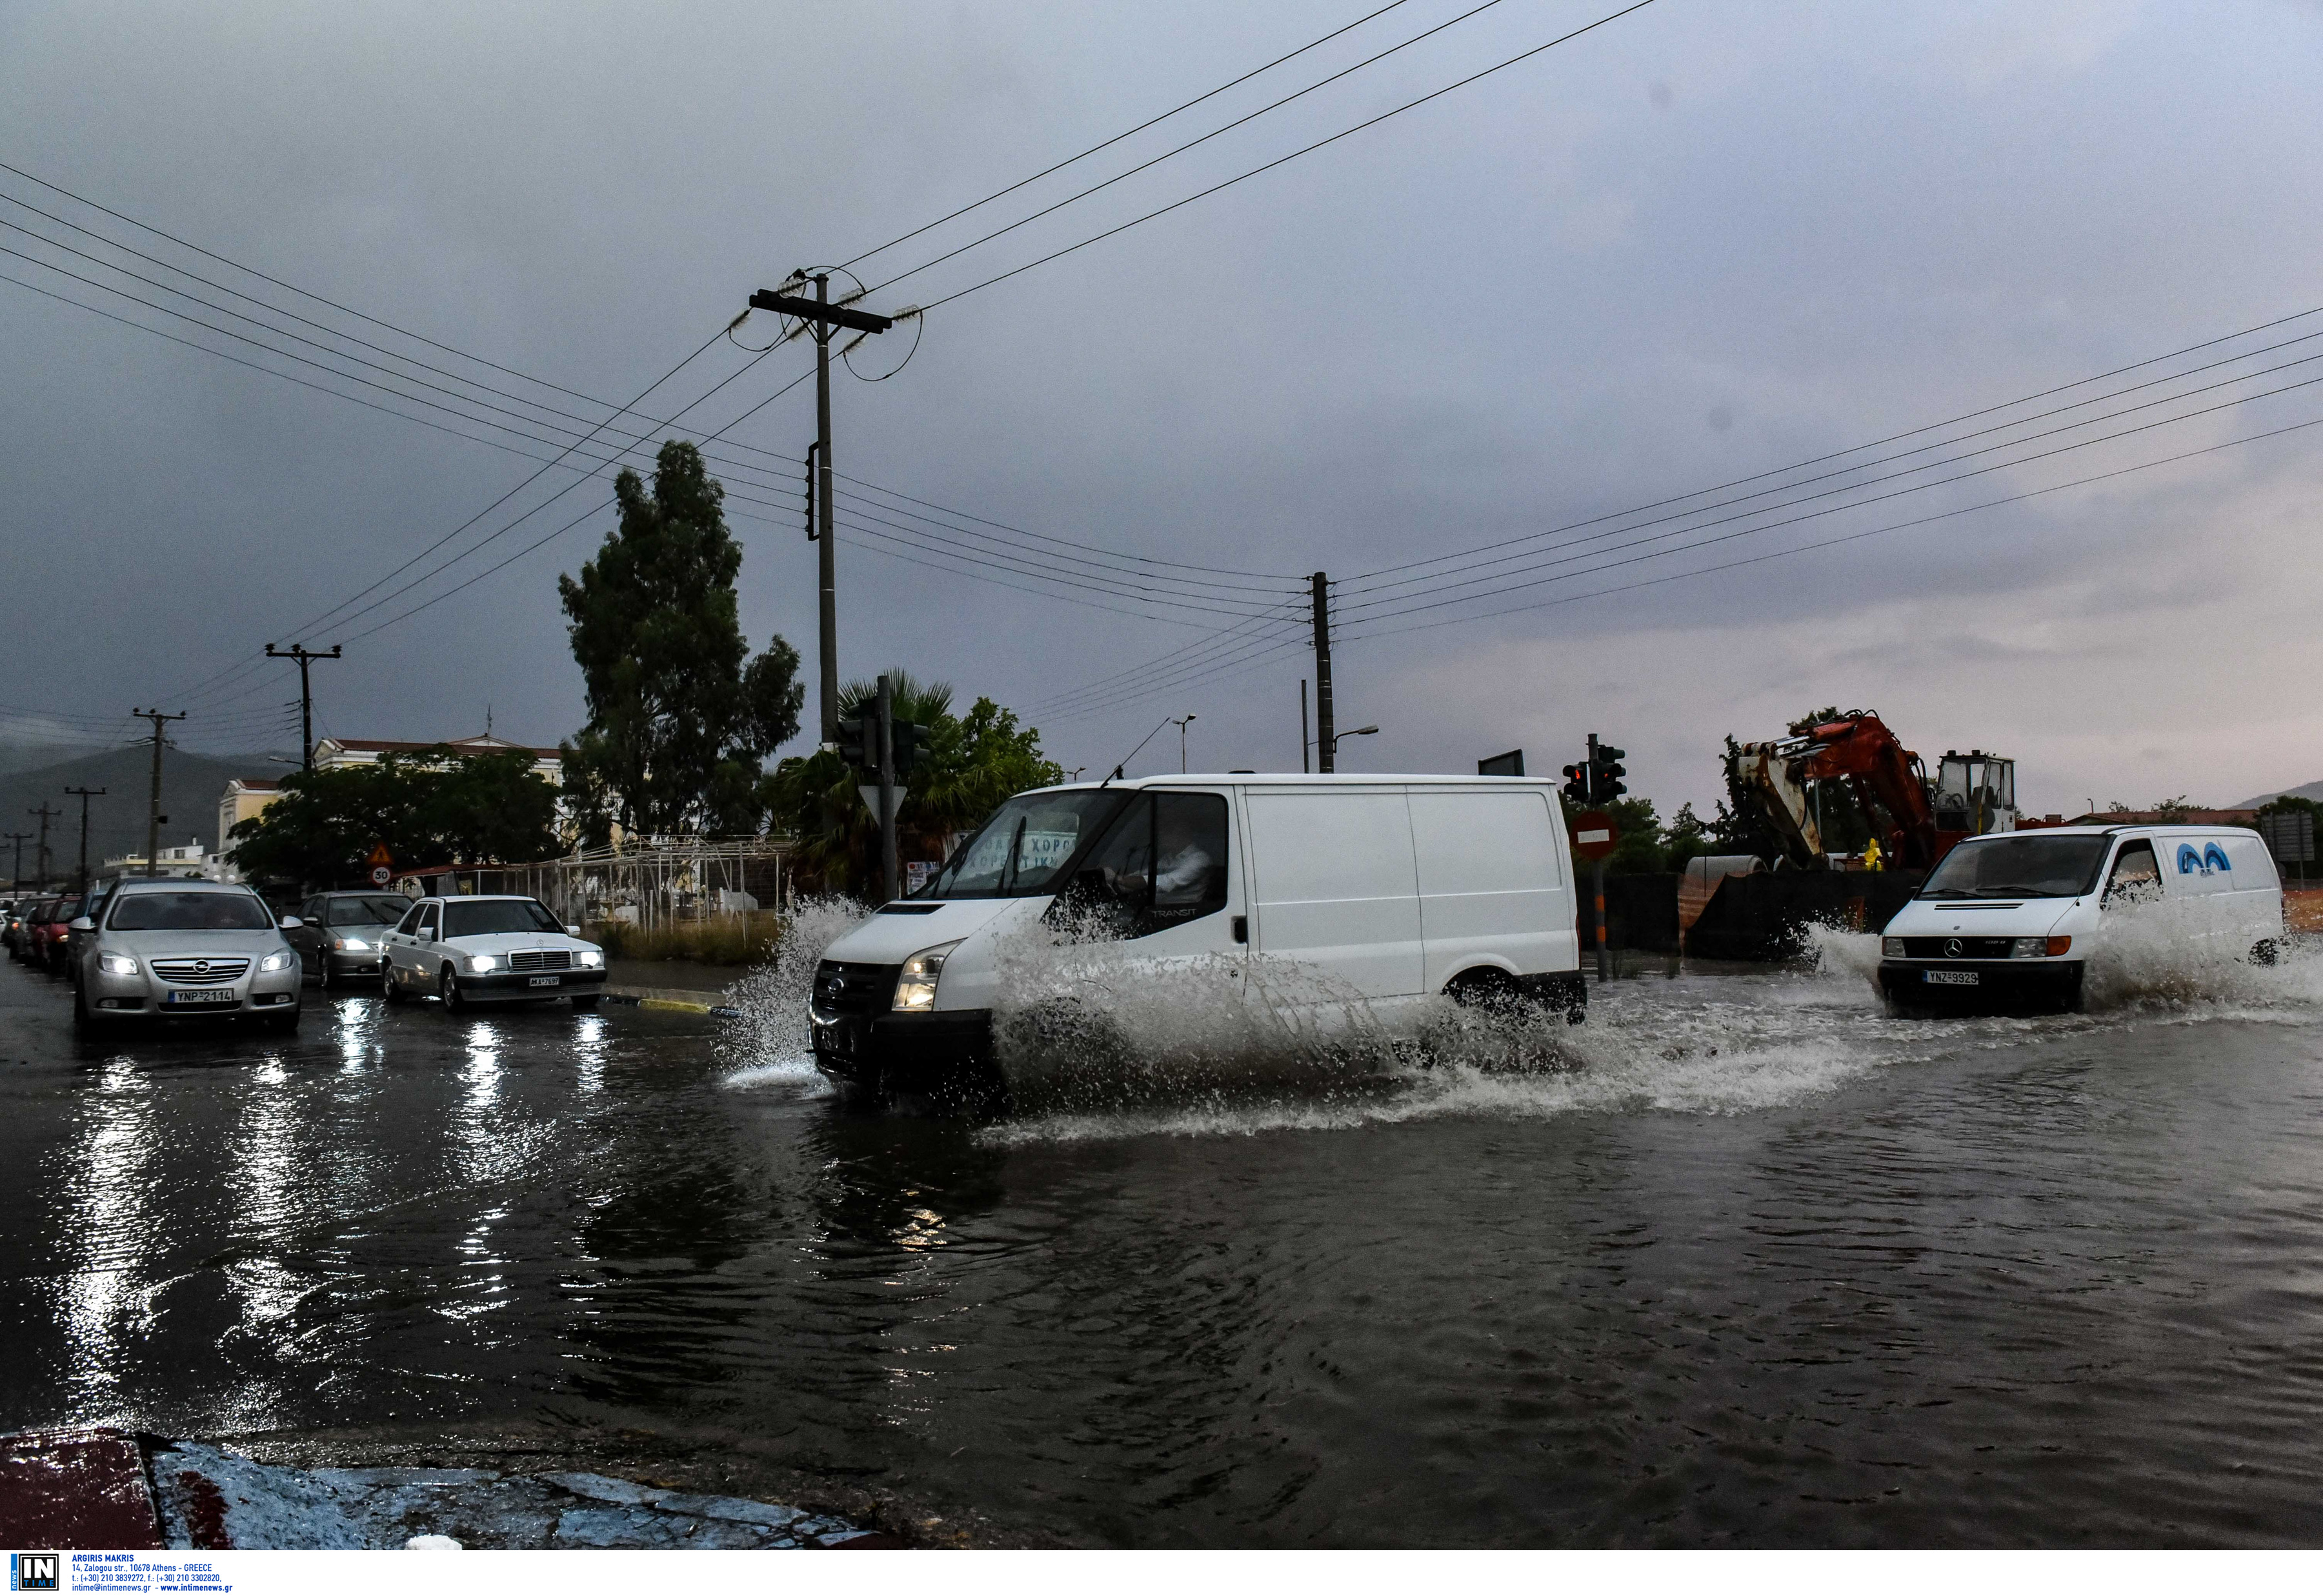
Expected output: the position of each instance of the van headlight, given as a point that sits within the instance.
(915, 988)
(1891, 947)
(280, 959)
(2041, 948)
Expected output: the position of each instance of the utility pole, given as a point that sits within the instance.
(16, 878)
(297, 651)
(153, 806)
(1181, 742)
(40, 856)
(1325, 747)
(823, 317)
(84, 795)
(1302, 726)
(889, 872)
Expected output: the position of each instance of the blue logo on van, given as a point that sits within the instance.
(2212, 858)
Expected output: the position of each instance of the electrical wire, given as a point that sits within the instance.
(1117, 138)
(1181, 149)
(1285, 160)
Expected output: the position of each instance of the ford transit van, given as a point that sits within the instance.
(2007, 923)
(1397, 887)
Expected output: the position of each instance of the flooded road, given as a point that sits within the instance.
(1765, 1268)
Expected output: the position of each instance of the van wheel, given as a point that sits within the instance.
(1493, 991)
(2265, 951)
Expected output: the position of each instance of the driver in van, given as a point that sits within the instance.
(1184, 873)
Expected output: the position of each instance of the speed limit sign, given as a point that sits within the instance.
(382, 865)
(380, 875)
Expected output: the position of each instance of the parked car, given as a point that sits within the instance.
(92, 908)
(25, 923)
(11, 924)
(176, 948)
(53, 937)
(2007, 923)
(490, 949)
(1393, 888)
(342, 935)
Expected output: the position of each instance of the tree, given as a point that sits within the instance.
(970, 766)
(678, 728)
(431, 806)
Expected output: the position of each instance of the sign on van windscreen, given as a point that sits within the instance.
(1044, 850)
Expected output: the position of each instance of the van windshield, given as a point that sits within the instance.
(2021, 864)
(1027, 845)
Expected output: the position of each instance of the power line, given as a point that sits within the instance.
(1181, 149)
(1117, 138)
(1294, 154)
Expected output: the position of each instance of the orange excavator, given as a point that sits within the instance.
(1919, 820)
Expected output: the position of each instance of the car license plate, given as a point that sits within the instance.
(189, 999)
(1952, 977)
(547, 980)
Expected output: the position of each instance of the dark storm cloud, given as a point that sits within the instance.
(1694, 246)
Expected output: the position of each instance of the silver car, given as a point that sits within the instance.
(178, 948)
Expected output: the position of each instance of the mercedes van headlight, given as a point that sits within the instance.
(2041, 947)
(1891, 947)
(915, 988)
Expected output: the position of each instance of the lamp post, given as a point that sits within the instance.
(1181, 720)
(1337, 738)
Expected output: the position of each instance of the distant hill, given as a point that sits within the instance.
(2311, 790)
(191, 785)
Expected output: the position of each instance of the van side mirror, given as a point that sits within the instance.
(83, 923)
(291, 923)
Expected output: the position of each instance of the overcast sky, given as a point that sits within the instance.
(1699, 243)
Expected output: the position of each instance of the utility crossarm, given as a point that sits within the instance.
(840, 316)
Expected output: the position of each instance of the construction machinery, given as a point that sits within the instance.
(1914, 819)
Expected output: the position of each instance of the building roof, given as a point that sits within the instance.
(254, 784)
(472, 745)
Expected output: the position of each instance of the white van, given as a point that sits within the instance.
(1396, 886)
(2008, 922)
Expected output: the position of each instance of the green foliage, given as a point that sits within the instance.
(677, 726)
(971, 765)
(431, 806)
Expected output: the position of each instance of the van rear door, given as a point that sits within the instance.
(1491, 883)
(1333, 884)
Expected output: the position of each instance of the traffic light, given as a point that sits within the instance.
(858, 743)
(1576, 785)
(1608, 785)
(911, 742)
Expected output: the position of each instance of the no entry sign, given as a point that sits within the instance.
(1594, 836)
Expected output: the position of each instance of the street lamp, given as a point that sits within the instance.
(1180, 722)
(1358, 731)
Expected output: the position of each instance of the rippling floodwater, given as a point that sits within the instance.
(1761, 1267)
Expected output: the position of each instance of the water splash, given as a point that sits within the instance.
(769, 1044)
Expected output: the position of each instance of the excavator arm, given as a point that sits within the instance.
(1886, 778)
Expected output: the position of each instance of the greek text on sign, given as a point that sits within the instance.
(1595, 834)
(1600, 835)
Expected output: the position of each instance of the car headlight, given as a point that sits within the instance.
(116, 964)
(2040, 946)
(351, 944)
(1891, 947)
(589, 958)
(915, 988)
(281, 958)
(481, 962)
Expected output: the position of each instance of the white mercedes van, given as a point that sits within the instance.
(2007, 923)
(1396, 886)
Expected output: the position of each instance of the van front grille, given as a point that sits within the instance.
(842, 988)
(1957, 947)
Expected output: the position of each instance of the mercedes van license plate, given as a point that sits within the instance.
(545, 980)
(1952, 977)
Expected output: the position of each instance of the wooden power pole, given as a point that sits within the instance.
(153, 806)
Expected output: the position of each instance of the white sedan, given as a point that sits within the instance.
(490, 949)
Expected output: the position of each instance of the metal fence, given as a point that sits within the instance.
(653, 884)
